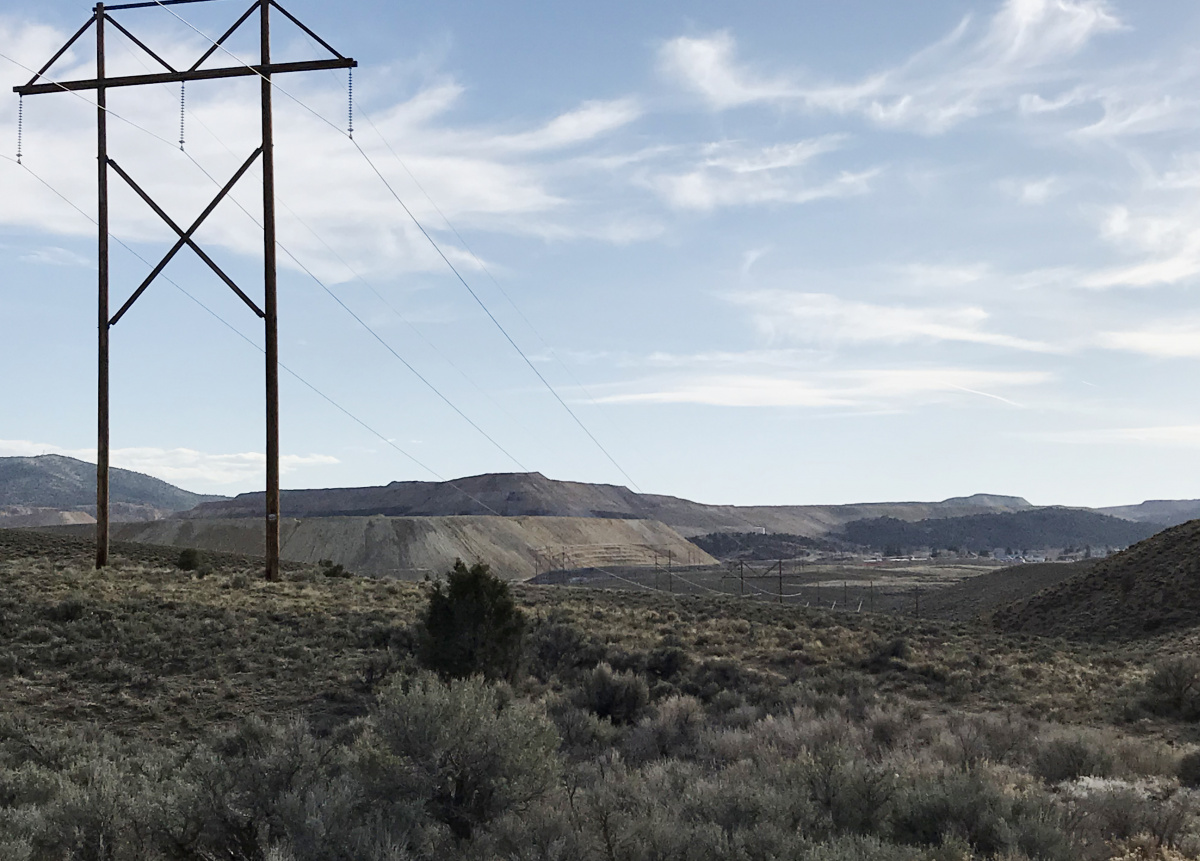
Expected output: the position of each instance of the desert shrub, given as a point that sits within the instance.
(70, 609)
(975, 739)
(1173, 689)
(884, 730)
(1070, 758)
(856, 795)
(332, 821)
(14, 848)
(1189, 770)
(465, 750)
(621, 697)
(667, 661)
(971, 807)
(1119, 812)
(861, 849)
(471, 626)
(725, 685)
(583, 734)
(188, 559)
(546, 831)
(232, 794)
(331, 569)
(560, 649)
(890, 654)
(673, 731)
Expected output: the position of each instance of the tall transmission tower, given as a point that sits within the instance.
(268, 312)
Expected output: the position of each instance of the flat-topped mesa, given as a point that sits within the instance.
(990, 500)
(531, 494)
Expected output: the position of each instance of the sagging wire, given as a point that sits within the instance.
(428, 237)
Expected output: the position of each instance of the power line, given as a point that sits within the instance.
(431, 241)
(607, 572)
(305, 269)
(342, 304)
(251, 342)
(483, 266)
(437, 351)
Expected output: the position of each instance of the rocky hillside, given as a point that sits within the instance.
(1152, 587)
(411, 547)
(53, 483)
(532, 494)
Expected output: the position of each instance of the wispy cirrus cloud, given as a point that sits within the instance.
(862, 389)
(1165, 339)
(54, 256)
(181, 466)
(965, 74)
(1166, 238)
(1033, 192)
(515, 178)
(824, 319)
(734, 173)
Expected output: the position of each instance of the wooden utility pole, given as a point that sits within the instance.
(270, 307)
(102, 455)
(269, 313)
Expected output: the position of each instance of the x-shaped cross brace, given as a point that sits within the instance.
(185, 237)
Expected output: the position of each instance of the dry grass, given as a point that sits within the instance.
(146, 648)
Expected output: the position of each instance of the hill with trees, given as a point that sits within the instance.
(1037, 529)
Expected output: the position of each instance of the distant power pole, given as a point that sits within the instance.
(268, 313)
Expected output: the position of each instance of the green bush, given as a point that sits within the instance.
(560, 649)
(622, 697)
(330, 569)
(1071, 758)
(189, 559)
(465, 750)
(1173, 689)
(963, 805)
(472, 626)
(1189, 770)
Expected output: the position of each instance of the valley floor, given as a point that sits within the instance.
(684, 726)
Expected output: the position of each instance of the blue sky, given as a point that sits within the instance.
(768, 253)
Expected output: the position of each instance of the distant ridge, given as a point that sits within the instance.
(1037, 528)
(532, 494)
(53, 482)
(1168, 512)
(990, 500)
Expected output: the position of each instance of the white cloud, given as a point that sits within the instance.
(1131, 112)
(943, 275)
(1025, 43)
(1165, 340)
(589, 121)
(500, 179)
(823, 319)
(867, 389)
(54, 256)
(709, 66)
(1168, 240)
(1033, 192)
(733, 174)
(180, 466)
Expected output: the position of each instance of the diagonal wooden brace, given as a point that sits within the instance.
(185, 236)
